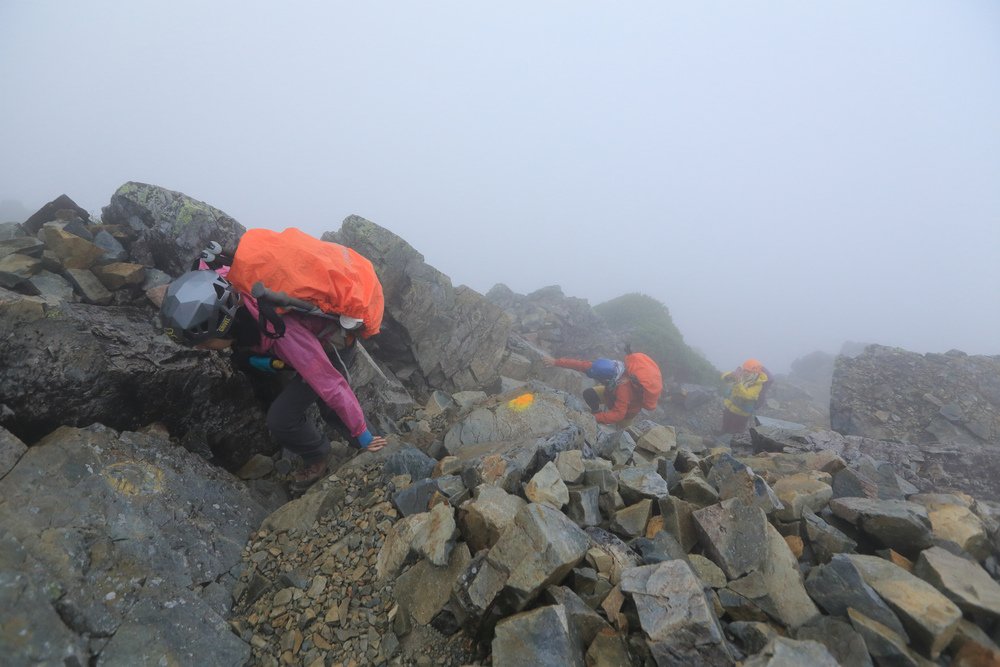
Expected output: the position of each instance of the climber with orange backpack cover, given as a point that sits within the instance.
(286, 300)
(626, 388)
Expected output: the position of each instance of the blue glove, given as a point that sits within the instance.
(365, 439)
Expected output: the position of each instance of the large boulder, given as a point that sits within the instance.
(680, 625)
(119, 533)
(83, 364)
(170, 229)
(456, 337)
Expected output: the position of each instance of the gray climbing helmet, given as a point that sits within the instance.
(199, 305)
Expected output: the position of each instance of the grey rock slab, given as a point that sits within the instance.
(661, 547)
(784, 652)
(752, 635)
(776, 585)
(584, 621)
(963, 581)
(734, 536)
(825, 540)
(929, 617)
(541, 637)
(696, 490)
(434, 534)
(11, 450)
(15, 269)
(583, 506)
(840, 639)
(538, 549)
(31, 630)
(302, 513)
(637, 483)
(456, 336)
(680, 625)
(799, 493)
(678, 520)
(897, 524)
(659, 440)
(415, 498)
(113, 250)
(180, 627)
(884, 645)
(89, 287)
(424, 589)
(547, 487)
(570, 466)
(484, 519)
(50, 286)
(118, 275)
(24, 245)
(631, 521)
(124, 523)
(839, 586)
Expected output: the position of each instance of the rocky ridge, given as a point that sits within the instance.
(502, 525)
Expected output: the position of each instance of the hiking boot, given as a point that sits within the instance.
(308, 475)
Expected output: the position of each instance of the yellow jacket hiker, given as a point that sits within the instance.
(749, 383)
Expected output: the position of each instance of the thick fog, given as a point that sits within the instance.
(784, 176)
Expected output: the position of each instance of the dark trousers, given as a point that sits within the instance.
(732, 422)
(286, 419)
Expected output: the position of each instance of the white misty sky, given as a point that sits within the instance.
(784, 176)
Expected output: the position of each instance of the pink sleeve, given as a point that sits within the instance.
(300, 348)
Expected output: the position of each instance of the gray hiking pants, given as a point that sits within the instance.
(286, 419)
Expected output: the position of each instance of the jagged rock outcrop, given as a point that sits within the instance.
(566, 326)
(82, 364)
(170, 229)
(118, 545)
(454, 336)
(890, 394)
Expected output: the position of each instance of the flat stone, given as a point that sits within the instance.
(409, 461)
(840, 639)
(51, 287)
(884, 645)
(957, 523)
(415, 498)
(784, 652)
(584, 622)
(117, 275)
(73, 251)
(24, 245)
(964, 582)
(88, 286)
(16, 268)
(707, 571)
(897, 524)
(801, 492)
(659, 440)
(839, 586)
(434, 534)
(929, 617)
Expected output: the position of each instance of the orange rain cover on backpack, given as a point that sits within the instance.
(644, 371)
(333, 277)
